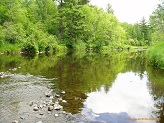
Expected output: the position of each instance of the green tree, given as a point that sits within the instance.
(157, 22)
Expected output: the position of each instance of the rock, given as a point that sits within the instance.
(40, 106)
(41, 113)
(14, 69)
(58, 107)
(39, 122)
(35, 105)
(57, 95)
(64, 101)
(50, 108)
(35, 108)
(50, 103)
(63, 112)
(56, 115)
(63, 92)
(60, 99)
(15, 121)
(48, 94)
(51, 97)
(31, 103)
(57, 103)
(22, 117)
(49, 112)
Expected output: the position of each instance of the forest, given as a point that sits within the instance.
(50, 25)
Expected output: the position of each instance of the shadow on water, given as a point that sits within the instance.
(112, 86)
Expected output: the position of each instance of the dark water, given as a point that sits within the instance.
(118, 87)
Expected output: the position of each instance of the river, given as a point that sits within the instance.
(114, 87)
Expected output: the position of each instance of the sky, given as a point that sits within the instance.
(126, 95)
(130, 11)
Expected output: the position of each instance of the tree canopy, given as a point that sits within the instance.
(44, 25)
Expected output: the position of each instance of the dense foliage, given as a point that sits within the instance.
(156, 53)
(46, 25)
(138, 34)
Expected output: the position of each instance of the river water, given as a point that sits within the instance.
(115, 87)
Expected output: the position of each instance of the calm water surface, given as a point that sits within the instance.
(117, 87)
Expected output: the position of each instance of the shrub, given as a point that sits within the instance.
(29, 47)
(155, 55)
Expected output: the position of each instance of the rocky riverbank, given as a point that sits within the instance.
(27, 99)
(48, 110)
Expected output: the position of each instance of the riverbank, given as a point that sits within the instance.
(155, 55)
(36, 103)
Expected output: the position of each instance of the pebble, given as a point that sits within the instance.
(35, 108)
(39, 122)
(64, 101)
(50, 108)
(49, 104)
(57, 107)
(56, 115)
(31, 103)
(57, 95)
(14, 69)
(60, 99)
(41, 113)
(35, 105)
(48, 94)
(51, 97)
(15, 121)
(40, 106)
(22, 117)
(63, 92)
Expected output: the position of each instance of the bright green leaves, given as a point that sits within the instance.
(138, 34)
(157, 22)
(103, 29)
(71, 24)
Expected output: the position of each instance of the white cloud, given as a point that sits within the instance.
(129, 95)
(129, 11)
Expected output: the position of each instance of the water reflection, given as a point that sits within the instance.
(128, 94)
(101, 87)
(156, 87)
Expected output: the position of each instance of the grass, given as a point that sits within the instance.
(155, 55)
